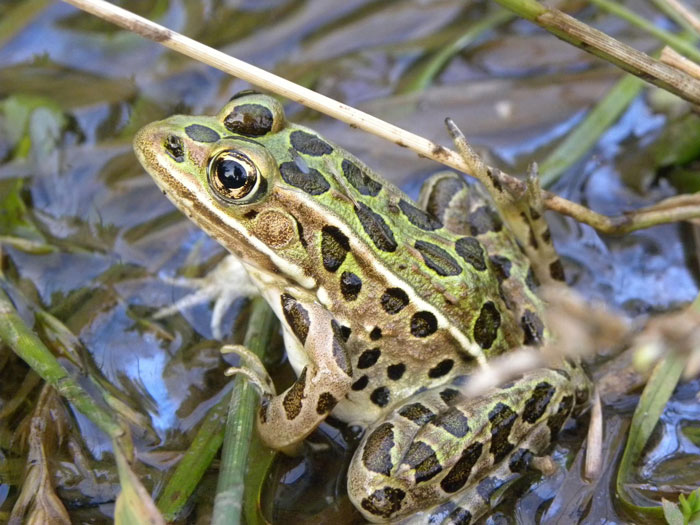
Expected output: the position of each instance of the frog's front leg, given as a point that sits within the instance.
(444, 453)
(286, 419)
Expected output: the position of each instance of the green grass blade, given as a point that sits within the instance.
(587, 133)
(656, 394)
(240, 424)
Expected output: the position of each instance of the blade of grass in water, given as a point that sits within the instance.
(194, 463)
(587, 133)
(425, 76)
(656, 394)
(239, 427)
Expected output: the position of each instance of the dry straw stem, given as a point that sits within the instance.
(673, 58)
(560, 24)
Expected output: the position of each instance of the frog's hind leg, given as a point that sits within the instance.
(520, 204)
(467, 209)
(440, 447)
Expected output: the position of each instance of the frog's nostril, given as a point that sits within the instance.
(175, 148)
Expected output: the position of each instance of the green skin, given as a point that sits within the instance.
(384, 307)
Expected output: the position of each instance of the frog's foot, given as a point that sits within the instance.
(449, 455)
(226, 283)
(251, 367)
(521, 207)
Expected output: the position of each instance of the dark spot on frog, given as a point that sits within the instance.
(384, 502)
(251, 120)
(501, 267)
(175, 148)
(556, 421)
(441, 369)
(311, 181)
(486, 326)
(438, 259)
(334, 248)
(362, 182)
(350, 286)
(471, 251)
(340, 354)
(375, 334)
(396, 371)
(547, 236)
(536, 405)
(326, 403)
(422, 458)
(296, 316)
(360, 384)
(376, 452)
(345, 332)
(556, 270)
(502, 419)
(292, 401)
(449, 396)
(376, 228)
(200, 133)
(309, 144)
(380, 396)
(368, 358)
(394, 300)
(418, 217)
(458, 475)
(417, 413)
(423, 324)
(533, 328)
(250, 215)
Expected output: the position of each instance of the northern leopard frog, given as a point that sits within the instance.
(387, 306)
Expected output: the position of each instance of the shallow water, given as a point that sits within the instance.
(74, 90)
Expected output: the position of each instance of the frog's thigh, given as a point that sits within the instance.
(286, 419)
(440, 447)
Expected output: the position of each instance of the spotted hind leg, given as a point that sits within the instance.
(439, 447)
(466, 209)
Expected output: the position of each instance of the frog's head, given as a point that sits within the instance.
(221, 172)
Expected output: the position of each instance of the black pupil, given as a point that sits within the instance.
(231, 174)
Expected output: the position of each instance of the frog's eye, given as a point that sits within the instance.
(233, 176)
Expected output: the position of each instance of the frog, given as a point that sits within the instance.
(388, 307)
